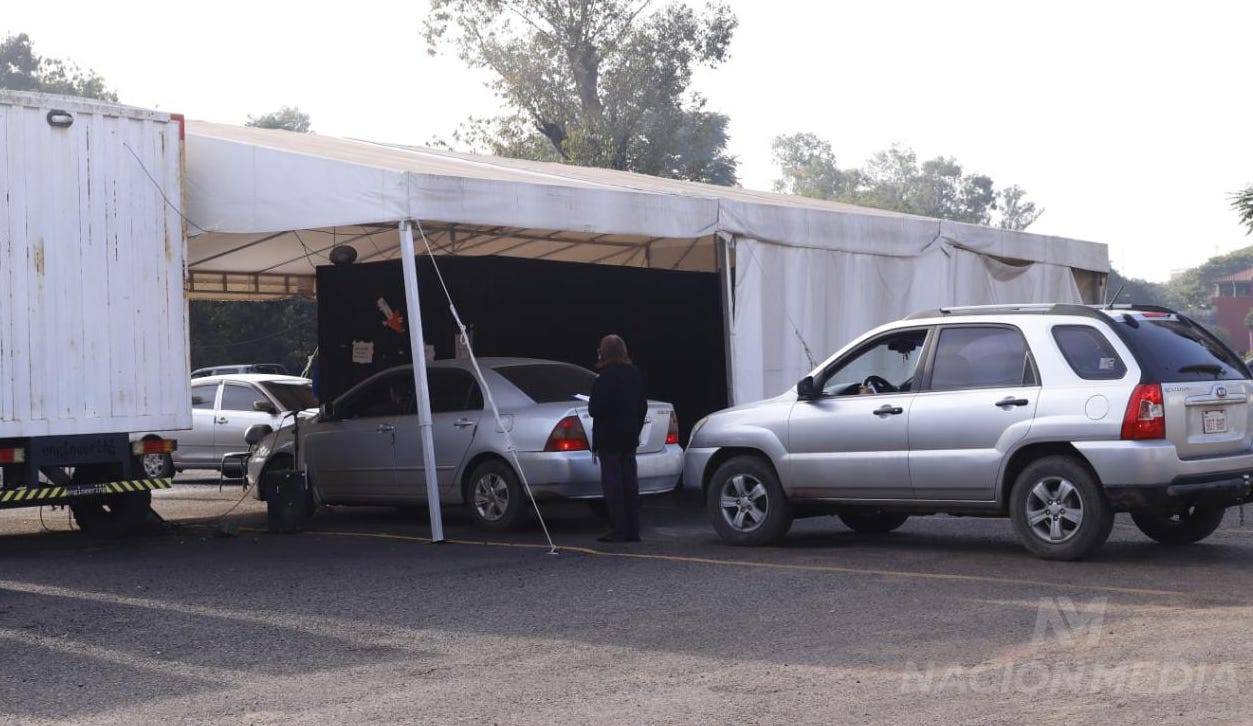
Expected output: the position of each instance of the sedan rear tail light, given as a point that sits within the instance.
(568, 435)
(1146, 414)
(672, 435)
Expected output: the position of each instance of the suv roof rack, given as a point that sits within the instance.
(1088, 311)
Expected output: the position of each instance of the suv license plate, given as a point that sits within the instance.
(1214, 422)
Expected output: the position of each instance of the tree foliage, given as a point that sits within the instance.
(895, 179)
(287, 118)
(594, 82)
(21, 69)
(273, 331)
(1242, 202)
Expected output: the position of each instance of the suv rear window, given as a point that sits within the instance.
(549, 382)
(1089, 353)
(981, 357)
(1174, 349)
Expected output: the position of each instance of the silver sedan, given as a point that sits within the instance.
(363, 448)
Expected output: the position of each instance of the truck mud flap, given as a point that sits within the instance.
(39, 496)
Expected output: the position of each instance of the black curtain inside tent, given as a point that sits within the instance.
(671, 320)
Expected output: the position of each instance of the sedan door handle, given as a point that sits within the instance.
(462, 423)
(1011, 401)
(385, 428)
(888, 409)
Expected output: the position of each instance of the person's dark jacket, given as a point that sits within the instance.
(618, 408)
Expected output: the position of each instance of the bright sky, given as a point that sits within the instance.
(1129, 122)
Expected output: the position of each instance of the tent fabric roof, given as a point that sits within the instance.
(248, 189)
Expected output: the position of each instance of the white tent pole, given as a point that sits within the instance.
(417, 346)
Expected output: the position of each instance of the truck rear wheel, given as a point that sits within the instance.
(109, 516)
(113, 516)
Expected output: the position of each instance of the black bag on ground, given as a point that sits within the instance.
(286, 500)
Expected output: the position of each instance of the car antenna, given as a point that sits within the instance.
(1109, 305)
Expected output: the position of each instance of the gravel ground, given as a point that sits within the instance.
(947, 620)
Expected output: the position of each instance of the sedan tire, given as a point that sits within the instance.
(1058, 509)
(1187, 526)
(746, 503)
(495, 498)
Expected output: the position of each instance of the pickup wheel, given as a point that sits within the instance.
(1058, 509)
(746, 503)
(872, 522)
(1186, 526)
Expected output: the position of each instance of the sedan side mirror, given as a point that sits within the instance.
(256, 433)
(806, 390)
(264, 407)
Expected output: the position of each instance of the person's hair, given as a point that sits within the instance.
(613, 349)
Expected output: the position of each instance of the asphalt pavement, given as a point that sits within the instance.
(361, 619)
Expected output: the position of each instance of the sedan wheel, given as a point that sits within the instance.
(746, 503)
(156, 466)
(491, 497)
(495, 498)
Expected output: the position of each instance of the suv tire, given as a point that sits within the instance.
(1059, 510)
(745, 490)
(1189, 525)
(872, 521)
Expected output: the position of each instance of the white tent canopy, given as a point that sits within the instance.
(266, 206)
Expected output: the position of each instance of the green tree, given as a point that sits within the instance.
(21, 69)
(287, 118)
(1242, 201)
(894, 179)
(594, 82)
(245, 331)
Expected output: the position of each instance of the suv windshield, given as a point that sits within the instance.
(549, 382)
(292, 396)
(1174, 349)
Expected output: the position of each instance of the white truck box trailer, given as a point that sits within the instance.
(93, 318)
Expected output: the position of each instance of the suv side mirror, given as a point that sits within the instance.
(806, 390)
(256, 432)
(264, 407)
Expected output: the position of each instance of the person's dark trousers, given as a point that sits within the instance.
(621, 486)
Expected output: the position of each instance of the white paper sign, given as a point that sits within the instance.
(362, 351)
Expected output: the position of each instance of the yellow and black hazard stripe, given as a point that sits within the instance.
(53, 494)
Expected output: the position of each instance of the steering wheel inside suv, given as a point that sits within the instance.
(879, 384)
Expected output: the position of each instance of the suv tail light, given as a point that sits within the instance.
(567, 435)
(1146, 414)
(672, 434)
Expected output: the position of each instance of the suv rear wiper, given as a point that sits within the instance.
(1210, 368)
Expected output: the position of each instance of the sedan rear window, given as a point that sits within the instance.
(1089, 353)
(549, 382)
(1171, 348)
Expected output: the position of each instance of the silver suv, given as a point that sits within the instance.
(1056, 416)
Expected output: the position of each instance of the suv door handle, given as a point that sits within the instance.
(223, 419)
(888, 409)
(462, 423)
(385, 428)
(1011, 401)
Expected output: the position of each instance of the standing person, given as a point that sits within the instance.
(618, 408)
